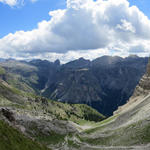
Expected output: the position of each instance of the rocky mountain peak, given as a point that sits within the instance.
(133, 56)
(78, 63)
(57, 62)
(107, 60)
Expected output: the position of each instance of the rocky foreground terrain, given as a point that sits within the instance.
(33, 122)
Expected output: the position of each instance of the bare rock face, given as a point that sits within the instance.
(141, 91)
(148, 68)
(32, 126)
(144, 85)
(7, 114)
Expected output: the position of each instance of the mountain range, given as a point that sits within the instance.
(104, 83)
(32, 122)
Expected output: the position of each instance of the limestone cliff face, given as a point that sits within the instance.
(148, 68)
(141, 92)
(143, 88)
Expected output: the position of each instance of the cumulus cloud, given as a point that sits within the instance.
(101, 26)
(126, 26)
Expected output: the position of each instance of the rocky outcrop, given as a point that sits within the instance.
(141, 92)
(7, 114)
(35, 128)
(148, 69)
(144, 84)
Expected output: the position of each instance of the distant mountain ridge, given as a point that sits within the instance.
(104, 83)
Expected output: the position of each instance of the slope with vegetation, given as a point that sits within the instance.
(39, 119)
(12, 139)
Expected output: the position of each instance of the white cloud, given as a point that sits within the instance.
(13, 3)
(126, 26)
(110, 26)
(9, 2)
(33, 1)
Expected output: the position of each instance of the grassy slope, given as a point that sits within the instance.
(74, 112)
(10, 93)
(10, 96)
(2, 71)
(11, 139)
(133, 134)
(107, 133)
(20, 75)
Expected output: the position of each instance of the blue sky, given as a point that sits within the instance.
(73, 29)
(143, 5)
(27, 16)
